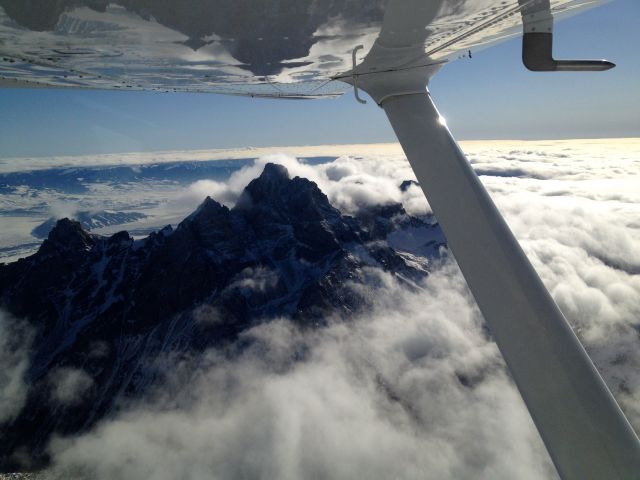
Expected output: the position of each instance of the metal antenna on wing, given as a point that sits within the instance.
(537, 43)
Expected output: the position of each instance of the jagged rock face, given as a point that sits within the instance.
(109, 306)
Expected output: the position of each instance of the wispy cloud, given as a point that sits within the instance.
(15, 341)
(69, 386)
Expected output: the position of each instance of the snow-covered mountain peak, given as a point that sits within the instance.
(283, 252)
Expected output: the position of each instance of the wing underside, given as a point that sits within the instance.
(269, 48)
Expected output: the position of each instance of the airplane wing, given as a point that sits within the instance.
(275, 48)
(309, 49)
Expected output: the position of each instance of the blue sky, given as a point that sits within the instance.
(490, 96)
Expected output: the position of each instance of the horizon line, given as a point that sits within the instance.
(88, 160)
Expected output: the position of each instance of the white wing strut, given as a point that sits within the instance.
(584, 430)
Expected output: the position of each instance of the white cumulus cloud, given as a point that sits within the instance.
(413, 388)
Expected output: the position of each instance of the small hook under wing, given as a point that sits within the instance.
(355, 76)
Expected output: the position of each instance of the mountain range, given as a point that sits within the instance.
(104, 308)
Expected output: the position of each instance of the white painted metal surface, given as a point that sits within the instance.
(273, 48)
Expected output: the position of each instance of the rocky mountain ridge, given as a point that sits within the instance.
(90, 221)
(103, 308)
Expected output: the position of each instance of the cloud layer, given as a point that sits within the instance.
(403, 392)
(412, 388)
